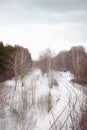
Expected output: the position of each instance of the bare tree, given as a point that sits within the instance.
(46, 67)
(25, 62)
(20, 63)
(14, 64)
(79, 61)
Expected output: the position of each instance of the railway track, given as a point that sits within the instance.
(69, 103)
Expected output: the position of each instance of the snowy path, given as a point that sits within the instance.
(66, 101)
(61, 113)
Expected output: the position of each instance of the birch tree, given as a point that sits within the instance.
(14, 64)
(46, 67)
(25, 63)
(20, 63)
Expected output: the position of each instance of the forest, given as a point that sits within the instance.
(13, 59)
(74, 60)
(49, 93)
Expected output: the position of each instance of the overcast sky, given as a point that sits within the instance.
(41, 24)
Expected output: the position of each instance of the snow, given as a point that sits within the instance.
(64, 97)
(9, 83)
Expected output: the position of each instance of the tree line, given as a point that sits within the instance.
(74, 60)
(17, 61)
(14, 61)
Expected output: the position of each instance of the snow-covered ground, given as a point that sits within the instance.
(27, 107)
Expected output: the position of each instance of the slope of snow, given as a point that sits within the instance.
(36, 89)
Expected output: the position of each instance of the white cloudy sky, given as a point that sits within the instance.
(41, 24)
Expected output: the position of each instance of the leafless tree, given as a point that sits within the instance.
(14, 64)
(20, 63)
(25, 62)
(46, 67)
